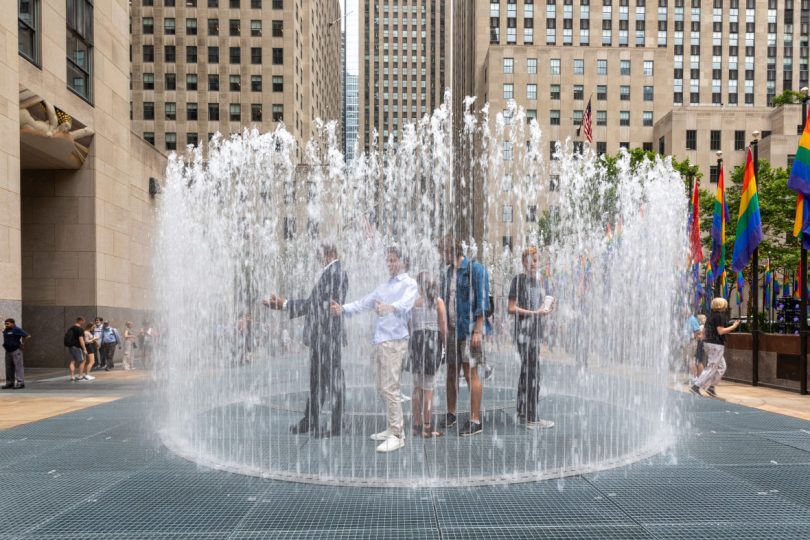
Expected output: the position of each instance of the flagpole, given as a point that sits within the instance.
(722, 264)
(755, 282)
(803, 293)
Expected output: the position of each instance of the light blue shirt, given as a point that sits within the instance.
(401, 293)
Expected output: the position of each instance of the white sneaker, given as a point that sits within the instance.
(403, 397)
(381, 436)
(89, 378)
(391, 443)
(539, 424)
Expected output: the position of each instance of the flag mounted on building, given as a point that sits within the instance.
(719, 219)
(799, 181)
(587, 124)
(749, 224)
(696, 252)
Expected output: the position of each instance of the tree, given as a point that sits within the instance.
(788, 97)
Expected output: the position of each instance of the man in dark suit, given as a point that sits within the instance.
(324, 334)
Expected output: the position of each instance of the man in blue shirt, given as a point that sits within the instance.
(392, 301)
(465, 290)
(13, 341)
(110, 339)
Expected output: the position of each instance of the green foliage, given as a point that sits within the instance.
(788, 97)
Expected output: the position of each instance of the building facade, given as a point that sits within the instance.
(76, 212)
(351, 115)
(681, 77)
(206, 66)
(404, 55)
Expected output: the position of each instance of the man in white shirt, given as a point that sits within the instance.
(392, 301)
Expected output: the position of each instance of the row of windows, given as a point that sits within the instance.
(715, 139)
(233, 4)
(578, 66)
(234, 111)
(601, 118)
(212, 53)
(234, 27)
(234, 82)
(578, 92)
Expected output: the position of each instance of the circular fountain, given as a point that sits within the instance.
(246, 218)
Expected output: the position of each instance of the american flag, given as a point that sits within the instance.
(586, 124)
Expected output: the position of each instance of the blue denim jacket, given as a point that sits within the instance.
(472, 296)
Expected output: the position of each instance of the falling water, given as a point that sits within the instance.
(246, 219)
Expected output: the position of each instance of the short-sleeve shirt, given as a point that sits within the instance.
(12, 338)
(529, 294)
(714, 320)
(75, 334)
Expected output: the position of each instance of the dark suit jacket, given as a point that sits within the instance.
(321, 328)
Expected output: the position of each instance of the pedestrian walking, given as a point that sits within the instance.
(14, 339)
(129, 345)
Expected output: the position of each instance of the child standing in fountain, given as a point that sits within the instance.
(392, 301)
(529, 304)
(428, 336)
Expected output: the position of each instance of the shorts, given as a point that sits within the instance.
(425, 382)
(458, 352)
(76, 355)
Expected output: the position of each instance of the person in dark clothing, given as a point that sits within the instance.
(714, 331)
(324, 334)
(14, 339)
(529, 304)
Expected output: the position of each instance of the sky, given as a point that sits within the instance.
(351, 26)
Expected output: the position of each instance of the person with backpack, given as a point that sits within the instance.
(529, 304)
(465, 291)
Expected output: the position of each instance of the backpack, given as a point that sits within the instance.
(69, 337)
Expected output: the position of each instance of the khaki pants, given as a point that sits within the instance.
(388, 357)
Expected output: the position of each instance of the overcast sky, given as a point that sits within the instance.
(352, 38)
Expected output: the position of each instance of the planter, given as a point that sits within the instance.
(778, 360)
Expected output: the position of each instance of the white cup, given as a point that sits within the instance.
(547, 301)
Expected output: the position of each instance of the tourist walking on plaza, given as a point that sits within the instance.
(714, 331)
(77, 348)
(110, 339)
(325, 336)
(98, 325)
(14, 339)
(392, 301)
(91, 344)
(428, 336)
(129, 344)
(146, 341)
(465, 291)
(529, 304)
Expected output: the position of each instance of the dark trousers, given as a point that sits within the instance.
(107, 354)
(529, 382)
(326, 386)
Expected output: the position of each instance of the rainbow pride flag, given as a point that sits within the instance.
(768, 281)
(749, 224)
(799, 181)
(719, 220)
(740, 287)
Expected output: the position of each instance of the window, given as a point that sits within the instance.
(148, 110)
(554, 119)
(289, 228)
(213, 55)
(278, 4)
(213, 83)
(662, 145)
(507, 151)
(555, 91)
(579, 92)
(554, 66)
(554, 179)
(601, 92)
(234, 83)
(739, 140)
(213, 3)
(577, 118)
(531, 114)
(507, 241)
(213, 27)
(531, 92)
(531, 66)
(256, 112)
(234, 4)
(256, 28)
(191, 54)
(624, 92)
(714, 139)
(169, 26)
(234, 55)
(531, 213)
(171, 141)
(192, 139)
(256, 56)
(169, 54)
(647, 118)
(148, 25)
(191, 81)
(602, 67)
(28, 24)
(255, 4)
(80, 47)
(714, 174)
(648, 93)
(191, 111)
(508, 91)
(278, 83)
(508, 65)
(170, 80)
(213, 111)
(149, 136)
(278, 113)
(624, 67)
(648, 68)
(255, 83)
(507, 213)
(148, 81)
(601, 148)
(235, 112)
(624, 118)
(278, 56)
(170, 110)
(191, 27)
(691, 139)
(233, 27)
(601, 118)
(579, 66)
(148, 53)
